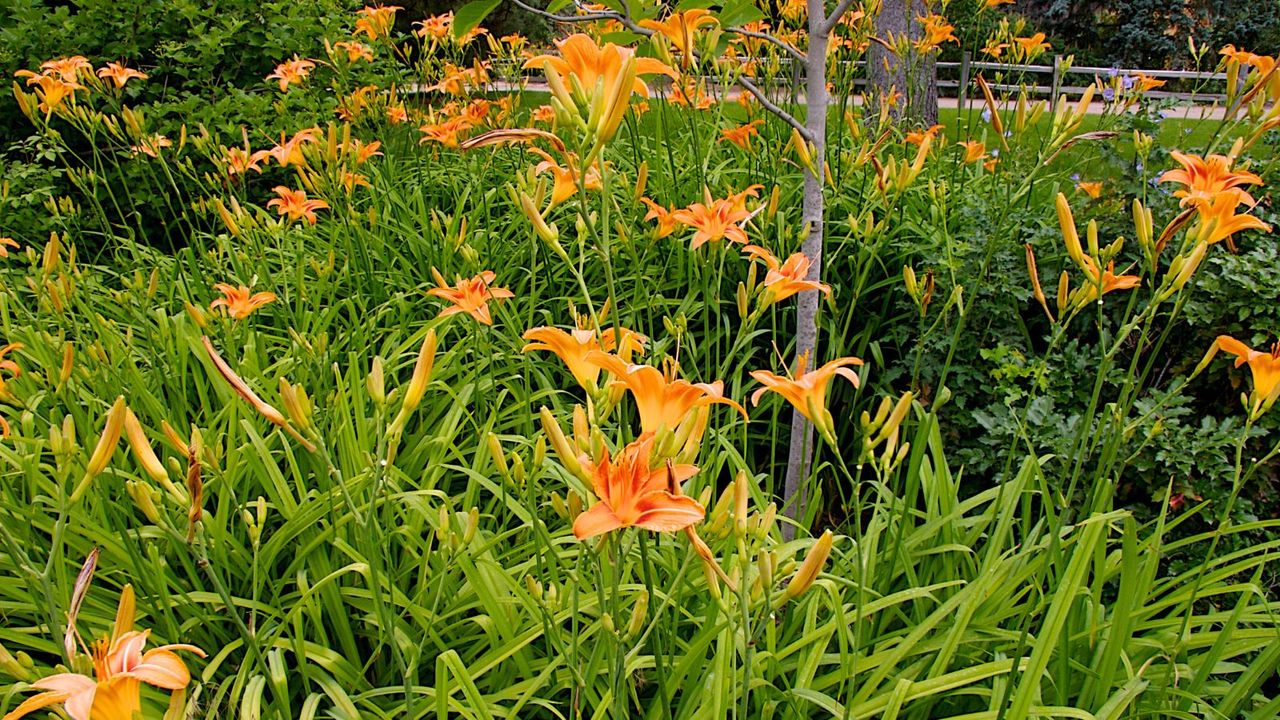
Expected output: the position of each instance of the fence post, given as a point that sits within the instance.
(1056, 86)
(962, 99)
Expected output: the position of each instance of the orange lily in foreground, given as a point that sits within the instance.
(470, 296)
(1219, 221)
(662, 399)
(680, 27)
(715, 221)
(585, 68)
(667, 223)
(295, 204)
(1204, 178)
(785, 279)
(631, 494)
(1265, 367)
(974, 150)
(120, 667)
(807, 391)
(574, 346)
(1105, 282)
(238, 301)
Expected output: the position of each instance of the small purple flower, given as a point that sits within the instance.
(1126, 82)
(995, 153)
(1113, 71)
(1166, 113)
(1075, 177)
(986, 115)
(1139, 167)
(1108, 94)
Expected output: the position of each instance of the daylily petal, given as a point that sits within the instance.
(663, 512)
(163, 669)
(596, 521)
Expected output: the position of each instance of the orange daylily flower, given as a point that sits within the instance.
(1092, 189)
(239, 301)
(295, 204)
(1101, 283)
(240, 161)
(741, 135)
(119, 74)
(151, 145)
(289, 151)
(68, 68)
(680, 28)
(691, 97)
(587, 62)
(351, 180)
(573, 347)
(632, 494)
(662, 399)
(446, 133)
(917, 137)
(355, 50)
(470, 296)
(53, 91)
(1219, 221)
(988, 4)
(364, 151)
(1032, 46)
(807, 391)
(376, 21)
(785, 279)
(543, 114)
(715, 220)
(1143, 82)
(5, 244)
(119, 669)
(8, 366)
(935, 30)
(1204, 178)
(1265, 367)
(667, 222)
(435, 27)
(566, 178)
(583, 66)
(995, 49)
(974, 150)
(292, 72)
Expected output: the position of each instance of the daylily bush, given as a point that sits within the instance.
(441, 407)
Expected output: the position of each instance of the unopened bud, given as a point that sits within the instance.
(813, 564)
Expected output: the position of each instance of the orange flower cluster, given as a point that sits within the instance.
(1216, 191)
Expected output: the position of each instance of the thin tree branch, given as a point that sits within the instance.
(624, 18)
(786, 47)
(834, 18)
(769, 105)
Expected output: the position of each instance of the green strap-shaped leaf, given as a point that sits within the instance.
(472, 14)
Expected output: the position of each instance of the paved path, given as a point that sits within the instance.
(1187, 111)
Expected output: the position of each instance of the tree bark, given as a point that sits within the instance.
(800, 451)
(911, 76)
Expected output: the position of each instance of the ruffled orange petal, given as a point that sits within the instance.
(596, 521)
